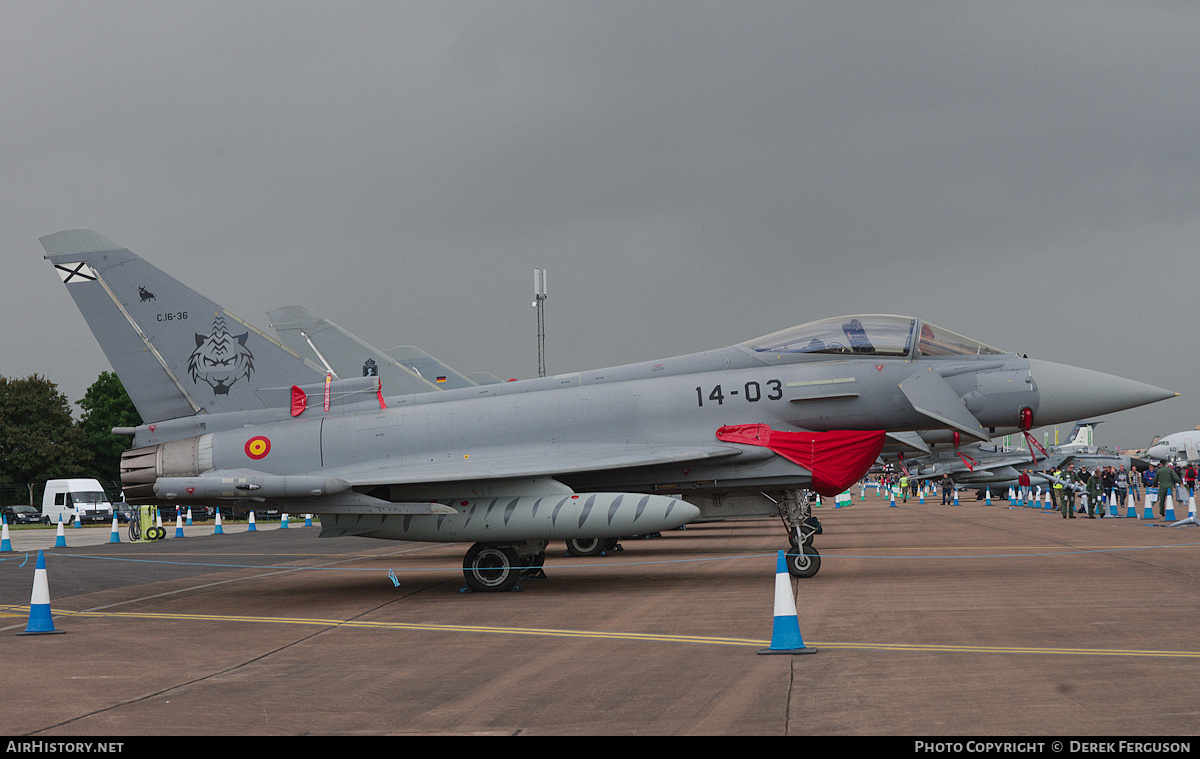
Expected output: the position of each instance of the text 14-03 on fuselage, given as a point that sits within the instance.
(752, 392)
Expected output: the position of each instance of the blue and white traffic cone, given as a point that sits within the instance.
(283, 521)
(1191, 517)
(78, 521)
(921, 500)
(253, 527)
(785, 634)
(955, 496)
(893, 503)
(217, 529)
(308, 520)
(40, 620)
(189, 516)
(1148, 509)
(178, 524)
(115, 535)
(1169, 512)
(1130, 508)
(987, 497)
(5, 543)
(60, 539)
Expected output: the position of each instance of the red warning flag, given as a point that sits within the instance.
(837, 459)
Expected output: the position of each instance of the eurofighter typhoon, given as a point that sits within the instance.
(233, 418)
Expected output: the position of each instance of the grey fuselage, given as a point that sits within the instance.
(665, 404)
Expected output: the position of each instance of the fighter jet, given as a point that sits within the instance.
(1084, 453)
(976, 464)
(235, 418)
(996, 469)
(1178, 447)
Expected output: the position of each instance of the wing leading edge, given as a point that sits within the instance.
(500, 462)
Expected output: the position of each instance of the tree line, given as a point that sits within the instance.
(41, 440)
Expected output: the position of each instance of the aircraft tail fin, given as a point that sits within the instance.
(1081, 434)
(430, 368)
(484, 378)
(176, 352)
(315, 337)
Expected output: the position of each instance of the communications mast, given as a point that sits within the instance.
(539, 302)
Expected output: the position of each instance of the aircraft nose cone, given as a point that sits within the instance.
(1157, 452)
(1068, 393)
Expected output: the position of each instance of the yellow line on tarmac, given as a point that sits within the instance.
(601, 635)
(407, 626)
(1009, 650)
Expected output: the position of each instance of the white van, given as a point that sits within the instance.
(80, 499)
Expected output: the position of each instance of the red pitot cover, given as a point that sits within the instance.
(837, 459)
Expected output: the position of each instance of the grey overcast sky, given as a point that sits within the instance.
(692, 174)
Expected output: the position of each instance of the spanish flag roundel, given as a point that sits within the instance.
(258, 447)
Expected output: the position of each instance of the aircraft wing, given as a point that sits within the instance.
(506, 462)
(1020, 461)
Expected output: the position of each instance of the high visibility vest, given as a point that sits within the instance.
(1058, 485)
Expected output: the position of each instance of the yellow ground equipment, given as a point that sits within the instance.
(143, 527)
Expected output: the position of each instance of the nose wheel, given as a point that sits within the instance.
(803, 562)
(795, 507)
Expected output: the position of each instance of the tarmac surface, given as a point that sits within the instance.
(927, 620)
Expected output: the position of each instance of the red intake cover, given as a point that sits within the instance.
(837, 459)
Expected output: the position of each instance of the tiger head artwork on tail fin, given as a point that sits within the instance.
(220, 359)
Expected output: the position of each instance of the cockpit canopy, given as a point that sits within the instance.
(870, 335)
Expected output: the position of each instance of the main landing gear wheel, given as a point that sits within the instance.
(804, 562)
(491, 568)
(533, 566)
(589, 546)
